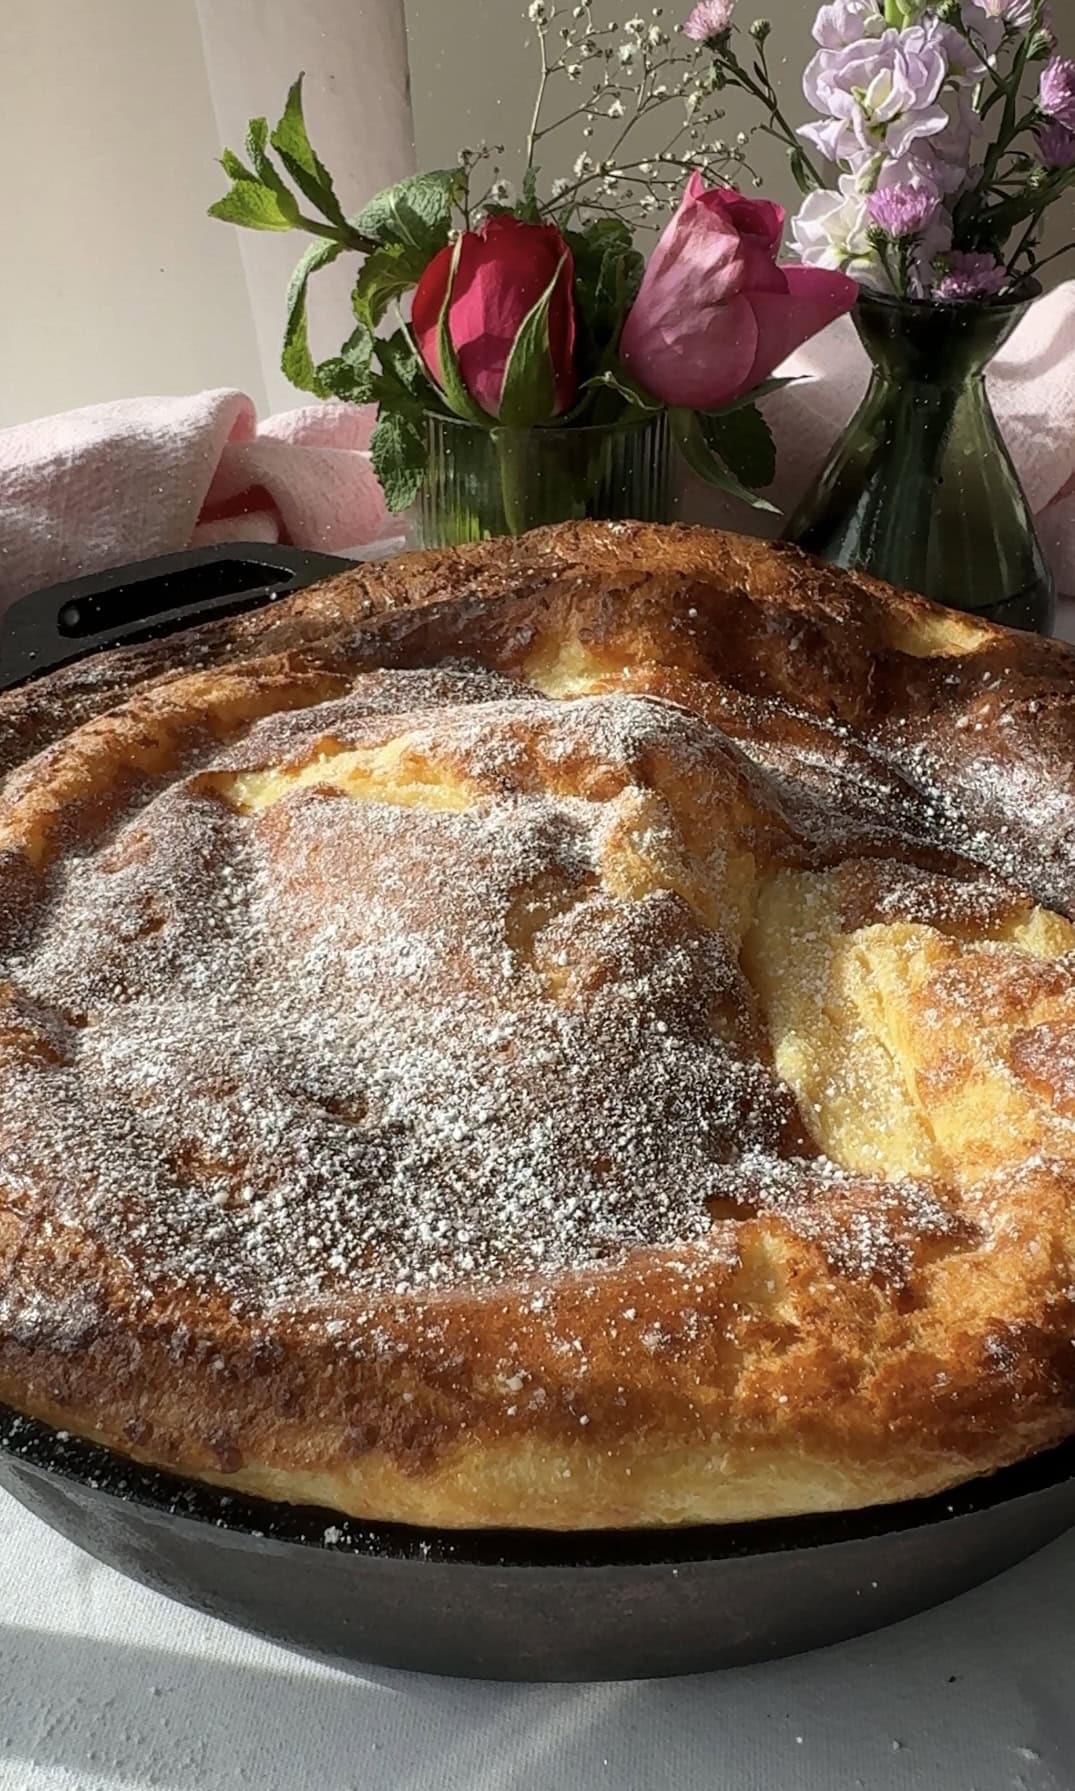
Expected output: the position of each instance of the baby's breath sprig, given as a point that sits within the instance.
(608, 79)
(728, 70)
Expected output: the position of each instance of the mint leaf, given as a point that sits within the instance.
(743, 440)
(528, 395)
(452, 385)
(403, 372)
(292, 145)
(704, 458)
(257, 136)
(608, 273)
(253, 206)
(349, 374)
(400, 454)
(386, 275)
(234, 168)
(416, 212)
(296, 361)
(528, 208)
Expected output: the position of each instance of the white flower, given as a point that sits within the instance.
(583, 165)
(501, 192)
(572, 70)
(627, 52)
(831, 229)
(635, 27)
(615, 109)
(538, 12)
(559, 187)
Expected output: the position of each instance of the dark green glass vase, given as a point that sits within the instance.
(921, 491)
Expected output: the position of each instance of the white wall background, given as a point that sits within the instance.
(116, 283)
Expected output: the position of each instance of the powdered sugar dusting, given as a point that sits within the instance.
(343, 1048)
(350, 1045)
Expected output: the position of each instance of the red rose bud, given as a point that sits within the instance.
(513, 290)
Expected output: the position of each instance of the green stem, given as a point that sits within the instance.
(1025, 243)
(515, 483)
(1010, 212)
(1066, 250)
(768, 99)
(334, 233)
(532, 134)
(1009, 128)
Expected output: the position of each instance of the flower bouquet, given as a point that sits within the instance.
(527, 360)
(945, 133)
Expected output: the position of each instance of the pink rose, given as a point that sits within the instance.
(503, 270)
(715, 313)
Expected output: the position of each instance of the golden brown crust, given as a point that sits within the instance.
(757, 951)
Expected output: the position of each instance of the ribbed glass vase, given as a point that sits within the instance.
(484, 482)
(921, 490)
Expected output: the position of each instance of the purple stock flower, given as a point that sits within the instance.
(709, 20)
(879, 95)
(965, 65)
(902, 211)
(1015, 14)
(1057, 92)
(970, 277)
(845, 22)
(1056, 146)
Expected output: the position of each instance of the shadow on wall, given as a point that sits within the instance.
(922, 1705)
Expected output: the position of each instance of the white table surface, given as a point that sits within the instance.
(105, 1686)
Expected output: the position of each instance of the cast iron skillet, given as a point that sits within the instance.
(506, 1604)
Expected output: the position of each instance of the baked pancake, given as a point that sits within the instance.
(569, 1033)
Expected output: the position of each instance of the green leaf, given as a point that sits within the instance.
(416, 212)
(452, 385)
(254, 206)
(385, 275)
(349, 374)
(603, 233)
(234, 168)
(744, 442)
(608, 272)
(400, 455)
(528, 209)
(528, 395)
(765, 390)
(703, 458)
(257, 137)
(310, 175)
(296, 361)
(403, 371)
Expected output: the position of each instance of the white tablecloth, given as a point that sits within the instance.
(107, 1687)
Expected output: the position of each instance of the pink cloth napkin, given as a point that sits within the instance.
(125, 481)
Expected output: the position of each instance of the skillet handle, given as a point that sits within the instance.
(149, 599)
